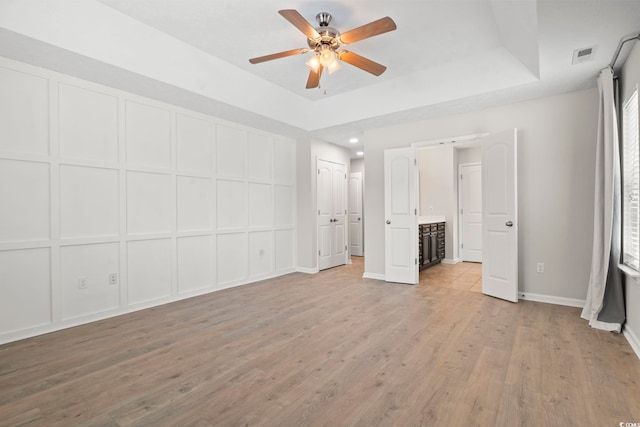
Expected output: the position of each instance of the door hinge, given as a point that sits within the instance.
(461, 245)
(318, 171)
(461, 176)
(345, 176)
(415, 211)
(318, 211)
(415, 261)
(461, 211)
(318, 252)
(345, 247)
(415, 162)
(345, 211)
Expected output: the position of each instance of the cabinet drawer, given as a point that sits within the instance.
(440, 234)
(441, 253)
(440, 243)
(441, 226)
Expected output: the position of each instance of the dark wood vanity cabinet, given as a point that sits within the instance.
(431, 244)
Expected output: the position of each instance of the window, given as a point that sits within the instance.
(630, 184)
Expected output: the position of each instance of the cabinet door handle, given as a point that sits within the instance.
(509, 223)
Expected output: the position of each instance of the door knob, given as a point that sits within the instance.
(388, 222)
(358, 219)
(509, 223)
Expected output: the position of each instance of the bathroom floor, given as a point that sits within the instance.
(463, 276)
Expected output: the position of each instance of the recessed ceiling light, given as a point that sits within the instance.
(353, 140)
(360, 153)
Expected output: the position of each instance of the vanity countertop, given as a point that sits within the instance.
(429, 219)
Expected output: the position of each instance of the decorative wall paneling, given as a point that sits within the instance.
(110, 202)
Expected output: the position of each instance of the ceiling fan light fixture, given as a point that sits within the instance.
(327, 56)
(314, 63)
(335, 66)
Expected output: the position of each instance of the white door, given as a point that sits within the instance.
(355, 214)
(401, 219)
(500, 216)
(470, 200)
(331, 185)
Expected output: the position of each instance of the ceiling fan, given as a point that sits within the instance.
(325, 42)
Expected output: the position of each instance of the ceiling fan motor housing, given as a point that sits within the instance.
(328, 35)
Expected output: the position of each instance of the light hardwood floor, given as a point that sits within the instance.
(330, 349)
(464, 275)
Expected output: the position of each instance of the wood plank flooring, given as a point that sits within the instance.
(330, 349)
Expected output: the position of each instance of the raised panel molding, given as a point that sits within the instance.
(89, 202)
(148, 136)
(24, 112)
(196, 263)
(149, 203)
(260, 157)
(149, 270)
(24, 201)
(232, 258)
(231, 150)
(194, 144)
(88, 124)
(93, 264)
(28, 304)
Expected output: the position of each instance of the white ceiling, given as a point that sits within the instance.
(446, 56)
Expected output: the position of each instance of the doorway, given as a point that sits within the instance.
(499, 211)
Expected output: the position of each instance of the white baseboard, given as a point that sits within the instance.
(451, 261)
(307, 270)
(631, 336)
(349, 261)
(376, 276)
(550, 299)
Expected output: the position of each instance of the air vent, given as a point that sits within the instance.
(582, 55)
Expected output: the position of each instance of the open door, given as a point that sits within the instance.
(500, 216)
(401, 219)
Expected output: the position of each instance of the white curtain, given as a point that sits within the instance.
(606, 221)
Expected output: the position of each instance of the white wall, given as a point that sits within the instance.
(629, 80)
(437, 189)
(357, 165)
(96, 181)
(469, 155)
(308, 152)
(556, 157)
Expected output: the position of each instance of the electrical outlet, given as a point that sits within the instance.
(82, 283)
(540, 267)
(113, 278)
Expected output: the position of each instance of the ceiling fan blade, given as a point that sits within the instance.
(371, 29)
(362, 62)
(299, 22)
(278, 55)
(314, 78)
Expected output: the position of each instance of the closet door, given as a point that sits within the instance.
(331, 184)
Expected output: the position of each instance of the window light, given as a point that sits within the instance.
(630, 184)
